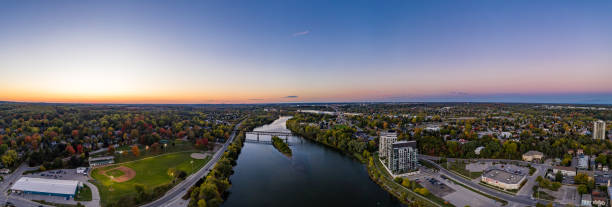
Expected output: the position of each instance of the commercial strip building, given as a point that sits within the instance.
(385, 141)
(503, 179)
(402, 158)
(533, 155)
(599, 129)
(51, 187)
(97, 161)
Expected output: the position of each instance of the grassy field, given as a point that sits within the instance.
(150, 172)
(84, 194)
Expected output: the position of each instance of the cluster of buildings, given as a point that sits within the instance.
(505, 178)
(400, 157)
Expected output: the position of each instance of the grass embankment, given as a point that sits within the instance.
(151, 172)
(281, 146)
(385, 180)
(459, 167)
(84, 194)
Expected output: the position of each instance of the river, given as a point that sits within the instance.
(314, 176)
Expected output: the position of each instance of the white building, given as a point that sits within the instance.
(565, 171)
(385, 141)
(402, 157)
(599, 129)
(583, 162)
(51, 187)
(503, 179)
(532, 155)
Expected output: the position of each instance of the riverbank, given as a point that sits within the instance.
(211, 191)
(383, 179)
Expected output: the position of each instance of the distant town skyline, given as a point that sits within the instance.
(162, 52)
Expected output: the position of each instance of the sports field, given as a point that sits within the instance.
(118, 180)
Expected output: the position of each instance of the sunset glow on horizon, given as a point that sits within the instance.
(311, 51)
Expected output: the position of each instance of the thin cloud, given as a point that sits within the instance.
(256, 99)
(290, 97)
(301, 33)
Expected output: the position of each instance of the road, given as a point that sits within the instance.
(523, 200)
(178, 191)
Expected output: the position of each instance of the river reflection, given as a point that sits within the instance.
(314, 176)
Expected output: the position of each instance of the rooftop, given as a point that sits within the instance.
(503, 176)
(46, 185)
(404, 144)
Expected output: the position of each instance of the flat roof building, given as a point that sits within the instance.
(532, 155)
(51, 187)
(97, 161)
(502, 179)
(566, 171)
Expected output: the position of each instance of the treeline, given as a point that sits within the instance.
(340, 137)
(281, 146)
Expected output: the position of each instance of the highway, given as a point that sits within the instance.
(178, 191)
(523, 200)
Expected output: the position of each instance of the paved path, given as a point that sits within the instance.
(174, 194)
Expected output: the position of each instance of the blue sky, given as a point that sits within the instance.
(312, 51)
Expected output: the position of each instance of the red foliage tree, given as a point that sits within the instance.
(80, 148)
(70, 149)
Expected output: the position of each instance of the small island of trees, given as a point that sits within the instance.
(281, 146)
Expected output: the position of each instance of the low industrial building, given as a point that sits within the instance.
(503, 179)
(51, 187)
(97, 161)
(566, 171)
(533, 155)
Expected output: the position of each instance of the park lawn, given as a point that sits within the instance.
(150, 172)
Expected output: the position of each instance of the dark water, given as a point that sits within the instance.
(314, 176)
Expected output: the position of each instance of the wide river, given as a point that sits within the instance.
(314, 176)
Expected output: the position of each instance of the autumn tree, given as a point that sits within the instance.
(9, 158)
(135, 150)
(70, 149)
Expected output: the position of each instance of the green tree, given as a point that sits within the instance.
(582, 189)
(201, 203)
(9, 158)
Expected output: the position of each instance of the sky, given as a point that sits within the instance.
(305, 51)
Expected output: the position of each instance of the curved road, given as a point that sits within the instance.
(178, 190)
